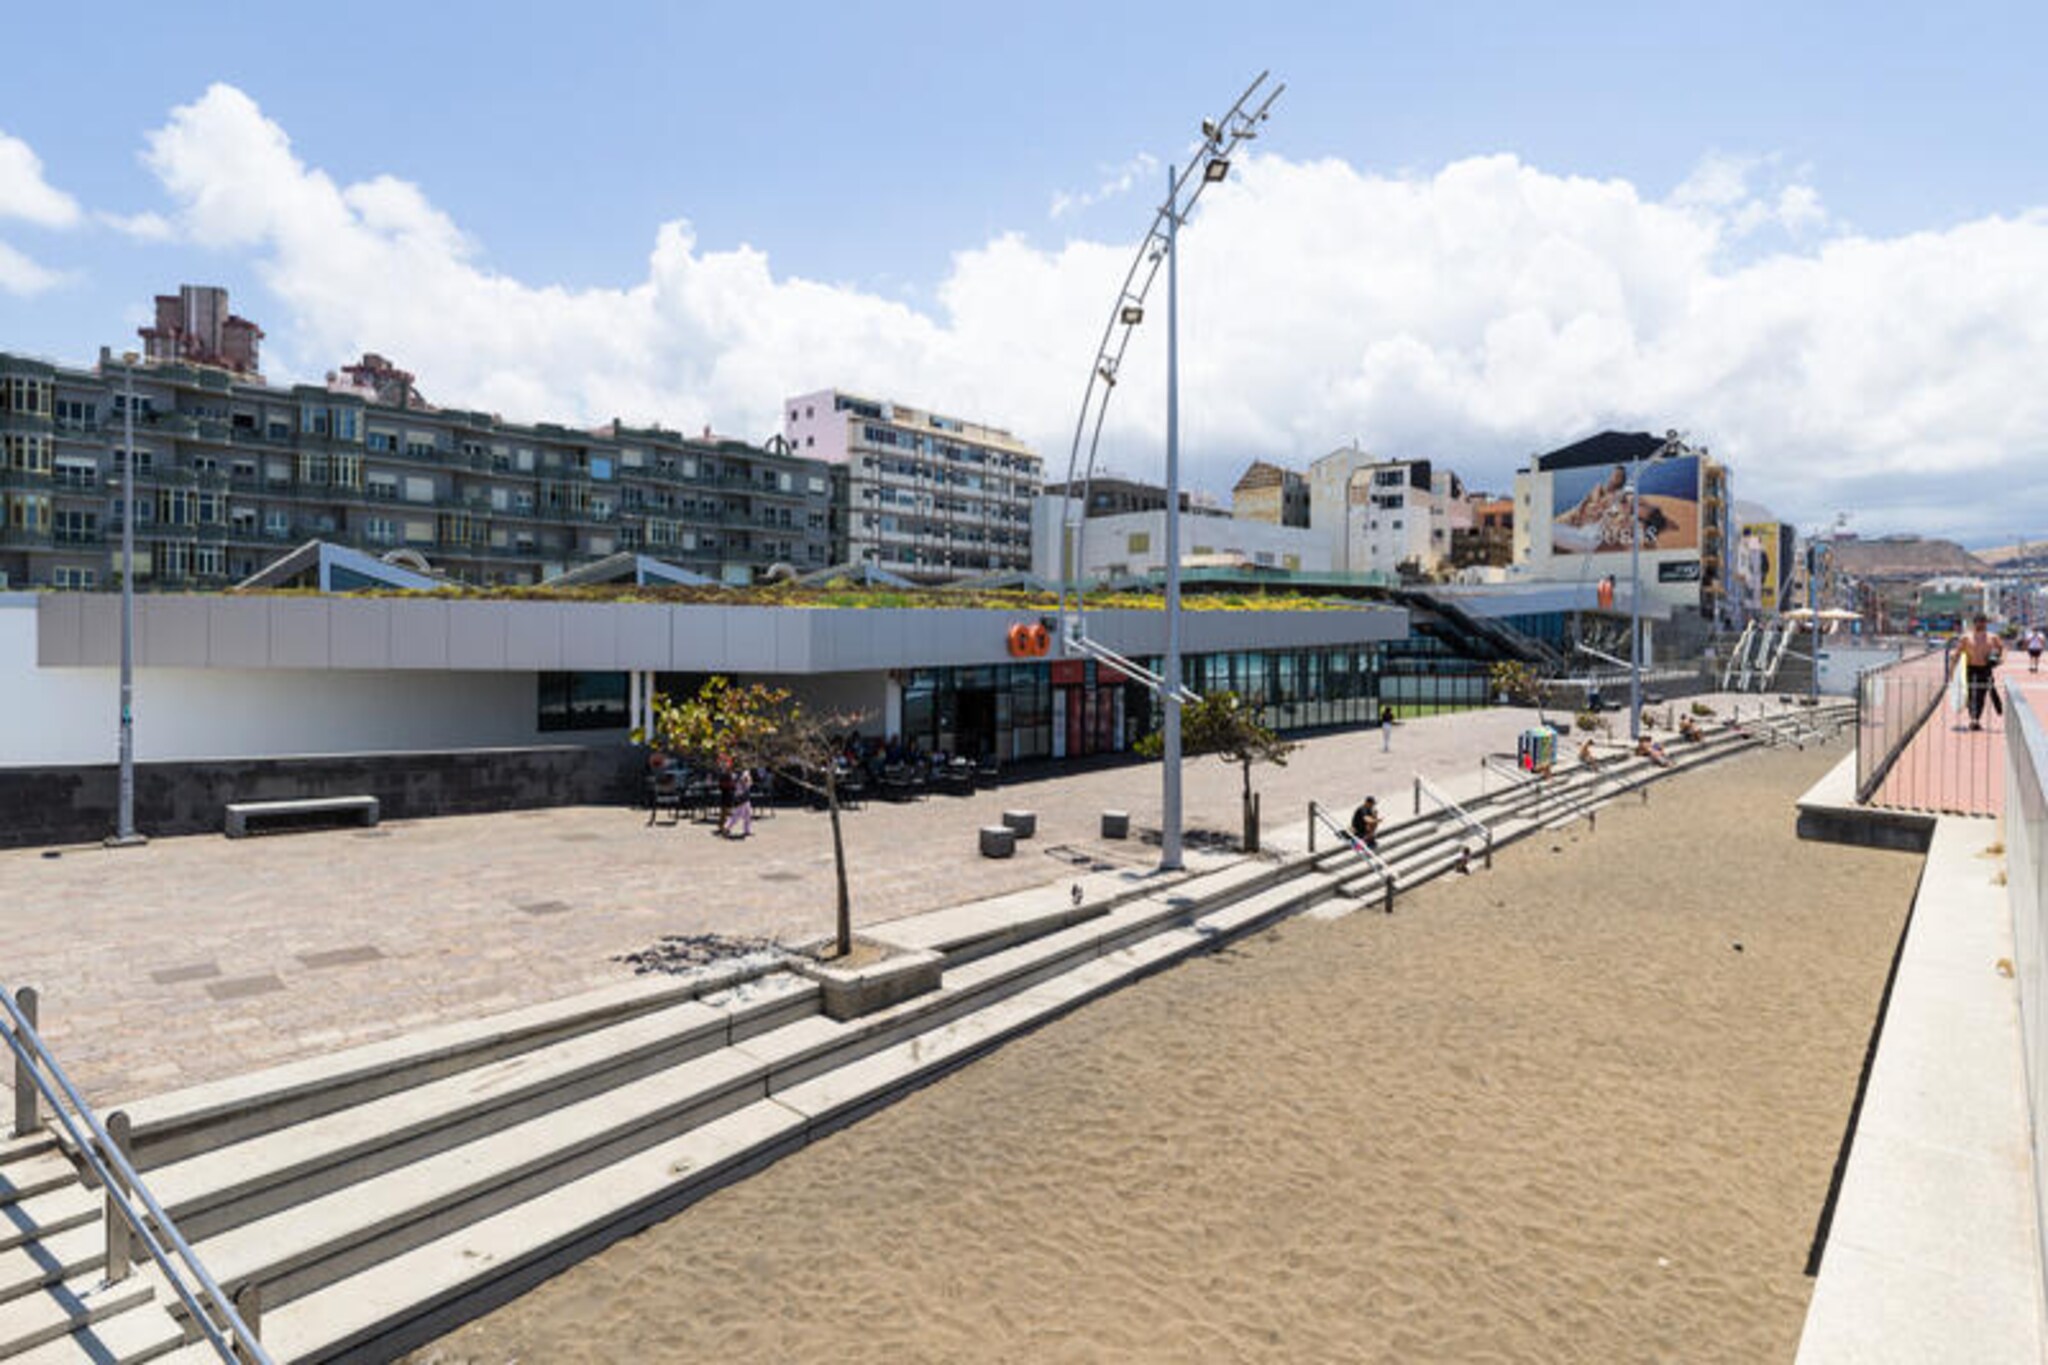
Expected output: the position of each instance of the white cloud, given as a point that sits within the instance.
(25, 195)
(1118, 181)
(143, 227)
(1473, 316)
(20, 275)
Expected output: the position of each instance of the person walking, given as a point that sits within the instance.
(1981, 652)
(2035, 644)
(740, 823)
(1386, 729)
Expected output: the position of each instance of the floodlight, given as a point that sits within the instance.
(1132, 315)
(1215, 170)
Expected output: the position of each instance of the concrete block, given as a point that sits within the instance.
(1116, 824)
(851, 992)
(998, 841)
(1024, 822)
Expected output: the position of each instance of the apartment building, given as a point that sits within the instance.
(1267, 492)
(1399, 516)
(924, 495)
(232, 472)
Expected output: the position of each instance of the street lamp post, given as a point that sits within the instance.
(1169, 800)
(1635, 601)
(124, 835)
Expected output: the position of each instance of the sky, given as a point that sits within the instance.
(1813, 238)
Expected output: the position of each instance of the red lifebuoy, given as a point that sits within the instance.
(1041, 639)
(1020, 641)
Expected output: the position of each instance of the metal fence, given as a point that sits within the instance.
(1892, 705)
(2026, 873)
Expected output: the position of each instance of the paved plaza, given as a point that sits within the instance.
(198, 958)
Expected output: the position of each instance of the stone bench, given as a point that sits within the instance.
(244, 817)
(1024, 822)
(1116, 824)
(998, 841)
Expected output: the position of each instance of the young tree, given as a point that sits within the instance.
(1224, 724)
(764, 727)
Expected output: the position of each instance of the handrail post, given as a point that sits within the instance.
(1489, 848)
(24, 1072)
(249, 1308)
(1311, 826)
(120, 1237)
(1418, 794)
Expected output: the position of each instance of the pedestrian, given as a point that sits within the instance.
(725, 785)
(1386, 729)
(1981, 652)
(742, 817)
(1365, 822)
(2035, 644)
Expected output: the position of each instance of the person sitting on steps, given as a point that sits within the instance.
(1365, 823)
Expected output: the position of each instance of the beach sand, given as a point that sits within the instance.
(1547, 1112)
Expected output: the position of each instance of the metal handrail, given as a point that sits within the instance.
(1388, 877)
(119, 1178)
(1502, 766)
(1464, 817)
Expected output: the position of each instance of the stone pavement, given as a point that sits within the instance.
(199, 958)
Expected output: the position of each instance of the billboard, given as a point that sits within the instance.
(1590, 507)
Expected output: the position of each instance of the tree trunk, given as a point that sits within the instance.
(839, 862)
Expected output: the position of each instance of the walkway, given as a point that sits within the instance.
(199, 958)
(1949, 767)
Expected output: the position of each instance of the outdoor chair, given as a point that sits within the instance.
(665, 793)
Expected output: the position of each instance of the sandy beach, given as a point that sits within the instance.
(1550, 1112)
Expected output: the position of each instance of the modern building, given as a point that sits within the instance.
(1269, 493)
(439, 704)
(1572, 522)
(1133, 544)
(1399, 516)
(1111, 495)
(925, 495)
(232, 472)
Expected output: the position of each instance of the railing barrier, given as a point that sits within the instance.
(1388, 879)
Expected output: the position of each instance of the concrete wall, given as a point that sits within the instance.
(2026, 862)
(71, 715)
(1841, 664)
(70, 804)
(1106, 542)
(422, 636)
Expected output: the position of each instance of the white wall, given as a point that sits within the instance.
(71, 715)
(1106, 542)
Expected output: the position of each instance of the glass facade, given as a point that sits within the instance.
(1069, 708)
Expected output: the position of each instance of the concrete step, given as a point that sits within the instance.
(365, 1316)
(61, 1308)
(213, 1191)
(24, 1146)
(167, 1127)
(29, 1176)
(136, 1334)
(40, 1215)
(314, 1243)
(44, 1260)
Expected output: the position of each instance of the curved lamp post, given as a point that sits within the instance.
(1184, 186)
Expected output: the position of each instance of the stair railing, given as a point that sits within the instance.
(1500, 765)
(1317, 815)
(1424, 787)
(36, 1071)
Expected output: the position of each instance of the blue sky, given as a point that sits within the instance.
(868, 150)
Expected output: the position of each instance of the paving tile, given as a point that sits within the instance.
(241, 987)
(342, 957)
(198, 971)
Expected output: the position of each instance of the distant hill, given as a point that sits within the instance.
(1905, 556)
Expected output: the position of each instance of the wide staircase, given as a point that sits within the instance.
(355, 1205)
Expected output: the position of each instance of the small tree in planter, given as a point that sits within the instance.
(764, 727)
(1224, 724)
(1515, 683)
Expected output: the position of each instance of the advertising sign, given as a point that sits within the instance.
(1679, 571)
(1590, 508)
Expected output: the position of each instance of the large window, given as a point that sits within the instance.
(583, 701)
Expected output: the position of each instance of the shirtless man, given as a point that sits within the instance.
(1981, 651)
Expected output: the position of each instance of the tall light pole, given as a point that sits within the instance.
(1635, 600)
(1169, 797)
(124, 835)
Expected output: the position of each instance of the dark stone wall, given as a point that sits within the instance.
(71, 805)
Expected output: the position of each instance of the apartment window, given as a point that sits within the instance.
(277, 523)
(380, 531)
(76, 414)
(382, 442)
(209, 561)
(381, 486)
(73, 527)
(313, 421)
(69, 576)
(418, 448)
(242, 521)
(30, 397)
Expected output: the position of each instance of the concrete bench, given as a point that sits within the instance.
(1116, 824)
(243, 816)
(998, 841)
(1025, 822)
